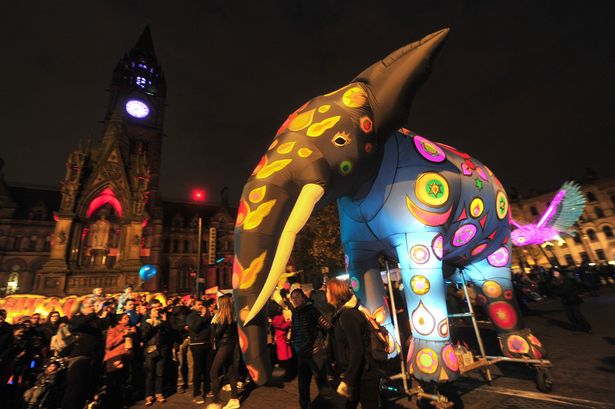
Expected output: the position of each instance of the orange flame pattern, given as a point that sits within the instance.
(244, 278)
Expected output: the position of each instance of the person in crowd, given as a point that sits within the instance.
(565, 288)
(226, 342)
(130, 309)
(98, 294)
(6, 332)
(157, 343)
(199, 331)
(182, 343)
(359, 377)
(124, 297)
(14, 358)
(50, 327)
(281, 324)
(319, 298)
(308, 325)
(118, 353)
(86, 353)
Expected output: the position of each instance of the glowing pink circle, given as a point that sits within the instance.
(464, 234)
(106, 196)
(436, 246)
(449, 358)
(429, 150)
(499, 258)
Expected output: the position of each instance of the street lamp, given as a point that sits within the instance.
(198, 195)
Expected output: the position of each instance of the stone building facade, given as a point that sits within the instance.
(595, 238)
(108, 218)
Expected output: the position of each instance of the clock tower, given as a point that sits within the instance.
(110, 219)
(138, 90)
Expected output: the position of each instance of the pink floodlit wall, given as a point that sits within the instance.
(106, 196)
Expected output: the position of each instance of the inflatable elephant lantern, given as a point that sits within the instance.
(432, 207)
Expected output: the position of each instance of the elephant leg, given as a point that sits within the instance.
(366, 282)
(430, 355)
(494, 292)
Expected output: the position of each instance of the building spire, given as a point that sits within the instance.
(145, 45)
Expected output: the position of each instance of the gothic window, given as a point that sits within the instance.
(608, 232)
(599, 212)
(584, 257)
(534, 211)
(33, 243)
(141, 65)
(590, 196)
(592, 235)
(577, 238)
(175, 248)
(600, 254)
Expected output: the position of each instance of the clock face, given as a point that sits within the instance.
(137, 108)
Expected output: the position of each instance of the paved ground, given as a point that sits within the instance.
(583, 369)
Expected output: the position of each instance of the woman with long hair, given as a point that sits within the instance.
(226, 343)
(359, 378)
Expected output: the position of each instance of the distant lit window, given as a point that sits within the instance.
(577, 238)
(141, 82)
(599, 212)
(591, 197)
(569, 260)
(534, 211)
(608, 232)
(600, 254)
(141, 65)
(592, 235)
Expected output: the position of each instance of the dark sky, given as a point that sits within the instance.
(527, 87)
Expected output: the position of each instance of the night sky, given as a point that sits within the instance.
(527, 87)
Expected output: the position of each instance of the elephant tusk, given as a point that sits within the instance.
(309, 196)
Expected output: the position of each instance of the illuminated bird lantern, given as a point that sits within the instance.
(432, 207)
(561, 214)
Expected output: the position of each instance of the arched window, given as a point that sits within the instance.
(592, 235)
(599, 212)
(534, 211)
(186, 246)
(175, 246)
(590, 197)
(608, 232)
(577, 238)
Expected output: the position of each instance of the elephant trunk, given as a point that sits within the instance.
(270, 215)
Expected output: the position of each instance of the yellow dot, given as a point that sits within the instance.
(304, 152)
(324, 108)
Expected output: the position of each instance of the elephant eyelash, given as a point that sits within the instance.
(341, 139)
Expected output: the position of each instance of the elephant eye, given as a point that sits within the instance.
(341, 139)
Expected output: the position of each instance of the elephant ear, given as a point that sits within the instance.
(393, 81)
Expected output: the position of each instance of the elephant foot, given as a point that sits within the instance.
(522, 344)
(432, 361)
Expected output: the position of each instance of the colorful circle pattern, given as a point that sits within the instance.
(517, 344)
(464, 234)
(492, 289)
(503, 315)
(431, 189)
(355, 284)
(427, 361)
(419, 254)
(499, 258)
(420, 285)
(437, 246)
(429, 150)
(501, 205)
(449, 358)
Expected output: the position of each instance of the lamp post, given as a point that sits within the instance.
(198, 195)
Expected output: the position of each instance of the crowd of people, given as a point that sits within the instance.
(112, 352)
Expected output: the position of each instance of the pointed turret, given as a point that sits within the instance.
(145, 45)
(393, 81)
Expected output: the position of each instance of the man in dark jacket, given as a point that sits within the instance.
(319, 299)
(199, 331)
(307, 340)
(181, 343)
(85, 355)
(566, 289)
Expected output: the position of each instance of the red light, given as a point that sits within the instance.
(198, 195)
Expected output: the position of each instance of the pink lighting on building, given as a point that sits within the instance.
(106, 196)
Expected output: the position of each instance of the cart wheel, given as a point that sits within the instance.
(543, 379)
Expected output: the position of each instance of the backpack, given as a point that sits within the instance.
(379, 342)
(62, 341)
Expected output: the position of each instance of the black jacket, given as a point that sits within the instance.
(307, 323)
(199, 328)
(157, 333)
(88, 334)
(225, 334)
(348, 343)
